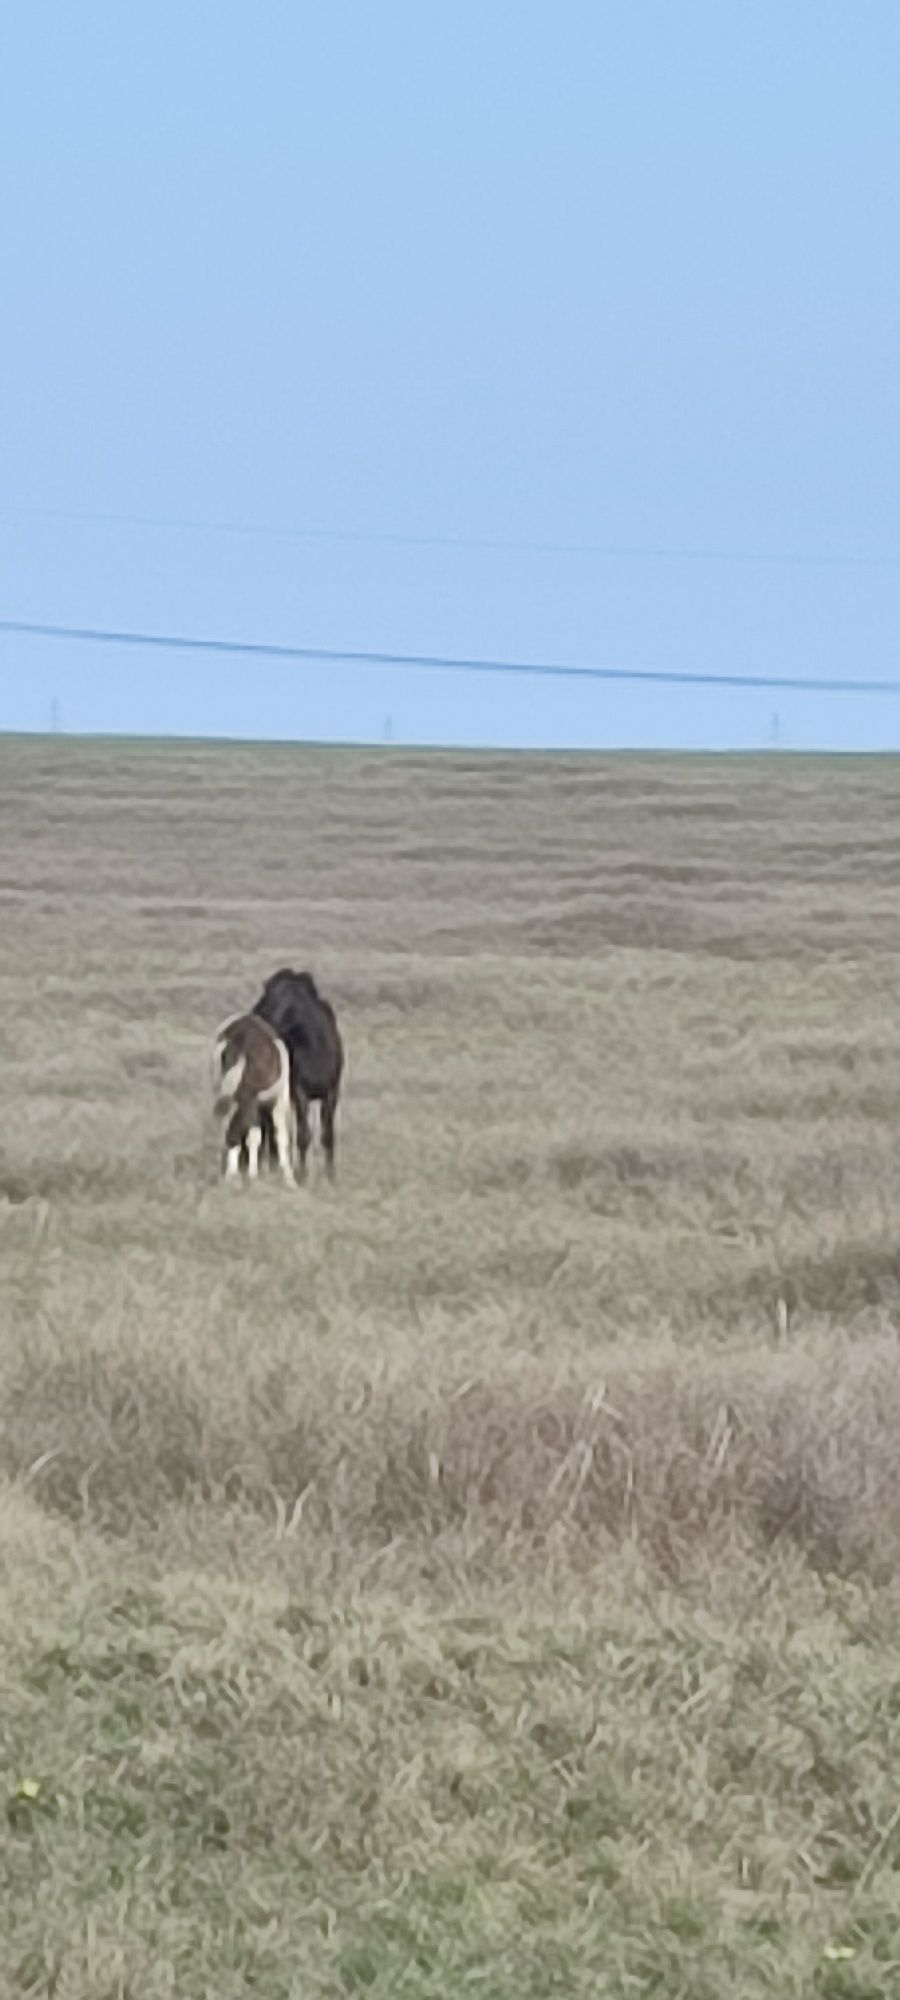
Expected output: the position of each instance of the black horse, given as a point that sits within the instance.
(305, 1022)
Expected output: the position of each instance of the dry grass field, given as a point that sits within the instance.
(452, 1582)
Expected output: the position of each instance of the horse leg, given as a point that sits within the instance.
(254, 1141)
(231, 1151)
(328, 1109)
(282, 1121)
(269, 1148)
(304, 1135)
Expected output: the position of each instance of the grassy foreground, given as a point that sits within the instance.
(452, 1582)
(247, 1787)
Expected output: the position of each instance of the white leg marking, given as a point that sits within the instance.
(281, 1119)
(254, 1141)
(233, 1164)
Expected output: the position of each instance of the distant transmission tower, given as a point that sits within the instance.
(55, 717)
(775, 730)
(388, 730)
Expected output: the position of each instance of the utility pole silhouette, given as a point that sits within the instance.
(775, 730)
(388, 729)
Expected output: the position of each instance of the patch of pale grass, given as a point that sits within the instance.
(452, 1581)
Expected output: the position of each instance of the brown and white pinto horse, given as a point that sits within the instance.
(252, 1082)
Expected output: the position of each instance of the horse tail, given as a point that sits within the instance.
(228, 1081)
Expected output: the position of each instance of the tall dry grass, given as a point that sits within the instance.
(623, 1076)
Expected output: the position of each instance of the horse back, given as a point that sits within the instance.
(305, 1021)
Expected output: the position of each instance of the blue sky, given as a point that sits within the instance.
(616, 282)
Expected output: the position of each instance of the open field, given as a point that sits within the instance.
(452, 1582)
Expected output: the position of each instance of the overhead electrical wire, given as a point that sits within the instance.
(178, 642)
(492, 544)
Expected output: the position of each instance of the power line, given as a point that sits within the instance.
(626, 551)
(439, 663)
